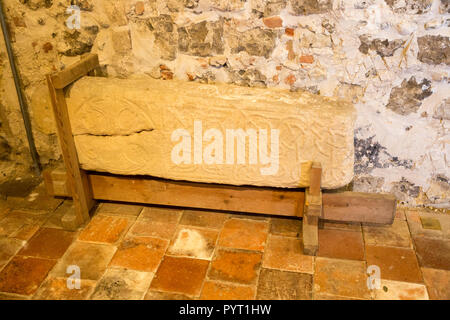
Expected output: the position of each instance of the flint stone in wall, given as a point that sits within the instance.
(256, 42)
(443, 111)
(268, 8)
(444, 6)
(201, 39)
(306, 7)
(125, 127)
(228, 5)
(383, 47)
(407, 98)
(410, 6)
(434, 49)
(37, 4)
(165, 35)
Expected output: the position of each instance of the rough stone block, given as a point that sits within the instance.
(152, 127)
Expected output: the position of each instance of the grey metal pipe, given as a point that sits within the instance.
(22, 103)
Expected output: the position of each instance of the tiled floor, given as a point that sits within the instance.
(136, 252)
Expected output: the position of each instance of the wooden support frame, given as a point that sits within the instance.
(86, 187)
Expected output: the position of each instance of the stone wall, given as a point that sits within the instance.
(389, 57)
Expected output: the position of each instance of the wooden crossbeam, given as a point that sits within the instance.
(341, 206)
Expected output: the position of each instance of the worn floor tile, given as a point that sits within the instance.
(105, 229)
(48, 243)
(213, 290)
(398, 264)
(341, 244)
(166, 215)
(396, 290)
(23, 275)
(207, 219)
(244, 234)
(395, 235)
(415, 220)
(324, 296)
(122, 284)
(282, 285)
(119, 209)
(430, 223)
(91, 258)
(433, 253)
(286, 226)
(346, 278)
(193, 242)
(16, 219)
(180, 275)
(341, 226)
(400, 213)
(26, 232)
(57, 289)
(438, 283)
(159, 295)
(8, 248)
(286, 253)
(38, 199)
(13, 296)
(140, 253)
(235, 266)
(149, 228)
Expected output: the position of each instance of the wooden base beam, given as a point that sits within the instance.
(341, 206)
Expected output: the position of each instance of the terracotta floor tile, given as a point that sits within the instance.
(341, 244)
(400, 214)
(26, 232)
(286, 227)
(396, 290)
(437, 282)
(244, 234)
(140, 253)
(105, 229)
(158, 295)
(8, 248)
(224, 291)
(399, 264)
(395, 235)
(119, 209)
(286, 253)
(193, 242)
(207, 219)
(282, 285)
(149, 228)
(166, 215)
(341, 226)
(433, 253)
(91, 258)
(346, 278)
(235, 266)
(324, 296)
(57, 289)
(180, 275)
(48, 243)
(415, 220)
(122, 284)
(23, 275)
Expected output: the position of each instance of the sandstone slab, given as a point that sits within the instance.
(179, 130)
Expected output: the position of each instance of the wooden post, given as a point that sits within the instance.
(312, 211)
(77, 178)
